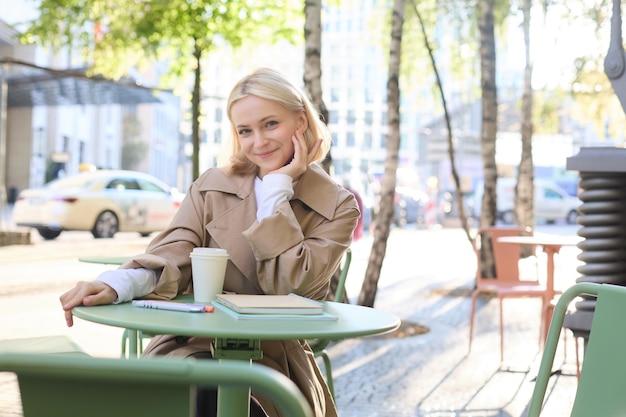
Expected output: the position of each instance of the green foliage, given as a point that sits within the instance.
(451, 34)
(595, 99)
(547, 105)
(116, 35)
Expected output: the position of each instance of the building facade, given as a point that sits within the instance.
(68, 126)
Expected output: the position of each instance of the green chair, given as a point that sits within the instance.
(600, 390)
(78, 386)
(57, 344)
(319, 345)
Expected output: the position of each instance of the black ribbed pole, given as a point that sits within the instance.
(603, 226)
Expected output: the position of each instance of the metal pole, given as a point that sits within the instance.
(3, 143)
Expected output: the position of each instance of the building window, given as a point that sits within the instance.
(350, 140)
(369, 118)
(367, 140)
(351, 95)
(370, 74)
(351, 117)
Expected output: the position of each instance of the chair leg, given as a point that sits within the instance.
(547, 310)
(471, 323)
(501, 330)
(577, 358)
(329, 372)
(564, 330)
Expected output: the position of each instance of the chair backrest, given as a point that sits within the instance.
(506, 256)
(600, 389)
(341, 282)
(76, 386)
(318, 345)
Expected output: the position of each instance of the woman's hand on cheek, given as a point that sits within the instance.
(301, 159)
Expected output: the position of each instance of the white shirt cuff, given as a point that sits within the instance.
(129, 283)
(270, 192)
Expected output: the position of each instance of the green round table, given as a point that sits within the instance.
(239, 339)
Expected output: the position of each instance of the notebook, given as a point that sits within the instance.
(273, 316)
(270, 304)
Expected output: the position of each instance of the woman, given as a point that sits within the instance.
(284, 222)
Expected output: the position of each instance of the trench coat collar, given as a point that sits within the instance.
(315, 188)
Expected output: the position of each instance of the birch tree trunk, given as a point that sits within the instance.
(313, 87)
(195, 113)
(312, 62)
(489, 127)
(388, 182)
(525, 190)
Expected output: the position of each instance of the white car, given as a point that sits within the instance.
(103, 202)
(551, 204)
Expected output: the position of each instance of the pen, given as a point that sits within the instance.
(168, 305)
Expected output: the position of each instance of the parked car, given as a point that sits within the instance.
(551, 204)
(103, 202)
(449, 207)
(410, 206)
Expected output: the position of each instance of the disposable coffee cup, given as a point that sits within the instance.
(208, 270)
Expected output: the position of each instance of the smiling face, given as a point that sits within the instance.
(264, 130)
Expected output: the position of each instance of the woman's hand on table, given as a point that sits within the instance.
(87, 293)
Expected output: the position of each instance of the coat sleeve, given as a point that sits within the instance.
(169, 251)
(302, 256)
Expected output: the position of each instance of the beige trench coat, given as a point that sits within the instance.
(295, 250)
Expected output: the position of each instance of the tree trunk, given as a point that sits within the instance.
(195, 114)
(489, 127)
(313, 87)
(524, 190)
(312, 62)
(388, 185)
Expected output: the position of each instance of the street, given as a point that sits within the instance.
(33, 276)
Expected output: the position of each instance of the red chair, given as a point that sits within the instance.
(506, 282)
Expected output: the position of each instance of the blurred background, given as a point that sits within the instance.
(59, 124)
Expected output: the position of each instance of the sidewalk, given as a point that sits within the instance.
(426, 279)
(434, 374)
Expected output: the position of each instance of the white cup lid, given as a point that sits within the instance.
(208, 252)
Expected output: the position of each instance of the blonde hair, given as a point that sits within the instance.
(269, 84)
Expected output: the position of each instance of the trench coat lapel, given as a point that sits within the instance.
(318, 191)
